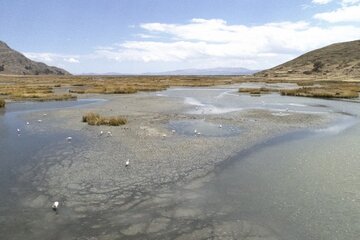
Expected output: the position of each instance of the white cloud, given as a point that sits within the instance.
(40, 57)
(321, 2)
(342, 2)
(215, 41)
(349, 2)
(203, 43)
(51, 58)
(71, 60)
(343, 14)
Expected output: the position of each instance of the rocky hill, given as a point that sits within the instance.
(336, 61)
(13, 62)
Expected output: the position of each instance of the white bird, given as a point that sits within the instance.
(198, 133)
(220, 126)
(173, 131)
(69, 138)
(18, 130)
(109, 133)
(195, 131)
(55, 206)
(27, 123)
(39, 120)
(45, 114)
(101, 133)
(127, 163)
(164, 135)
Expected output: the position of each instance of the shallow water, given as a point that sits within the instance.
(302, 186)
(200, 127)
(299, 186)
(18, 148)
(223, 100)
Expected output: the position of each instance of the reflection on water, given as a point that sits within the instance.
(220, 101)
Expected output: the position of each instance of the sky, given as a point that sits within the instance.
(141, 36)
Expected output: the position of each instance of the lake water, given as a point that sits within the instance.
(303, 185)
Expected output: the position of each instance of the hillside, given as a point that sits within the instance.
(13, 62)
(336, 61)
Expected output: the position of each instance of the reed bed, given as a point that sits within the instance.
(42, 87)
(257, 91)
(320, 92)
(96, 119)
(2, 103)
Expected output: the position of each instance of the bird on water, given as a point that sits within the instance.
(55, 206)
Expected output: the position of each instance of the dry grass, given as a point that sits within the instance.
(41, 88)
(32, 92)
(95, 119)
(257, 91)
(2, 103)
(37, 87)
(320, 92)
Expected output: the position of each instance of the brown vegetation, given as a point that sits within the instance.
(257, 91)
(95, 119)
(2, 103)
(38, 87)
(41, 88)
(319, 92)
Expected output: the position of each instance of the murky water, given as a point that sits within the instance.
(299, 186)
(18, 147)
(302, 186)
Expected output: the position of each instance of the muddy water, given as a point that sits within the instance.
(299, 186)
(17, 148)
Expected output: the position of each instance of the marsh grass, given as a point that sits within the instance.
(41, 88)
(320, 92)
(2, 103)
(43, 97)
(257, 91)
(96, 119)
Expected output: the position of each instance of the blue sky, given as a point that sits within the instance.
(136, 36)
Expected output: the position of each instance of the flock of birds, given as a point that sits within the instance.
(56, 204)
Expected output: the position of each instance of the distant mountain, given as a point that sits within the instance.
(13, 62)
(195, 71)
(337, 61)
(208, 71)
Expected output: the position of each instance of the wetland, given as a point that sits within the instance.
(265, 167)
